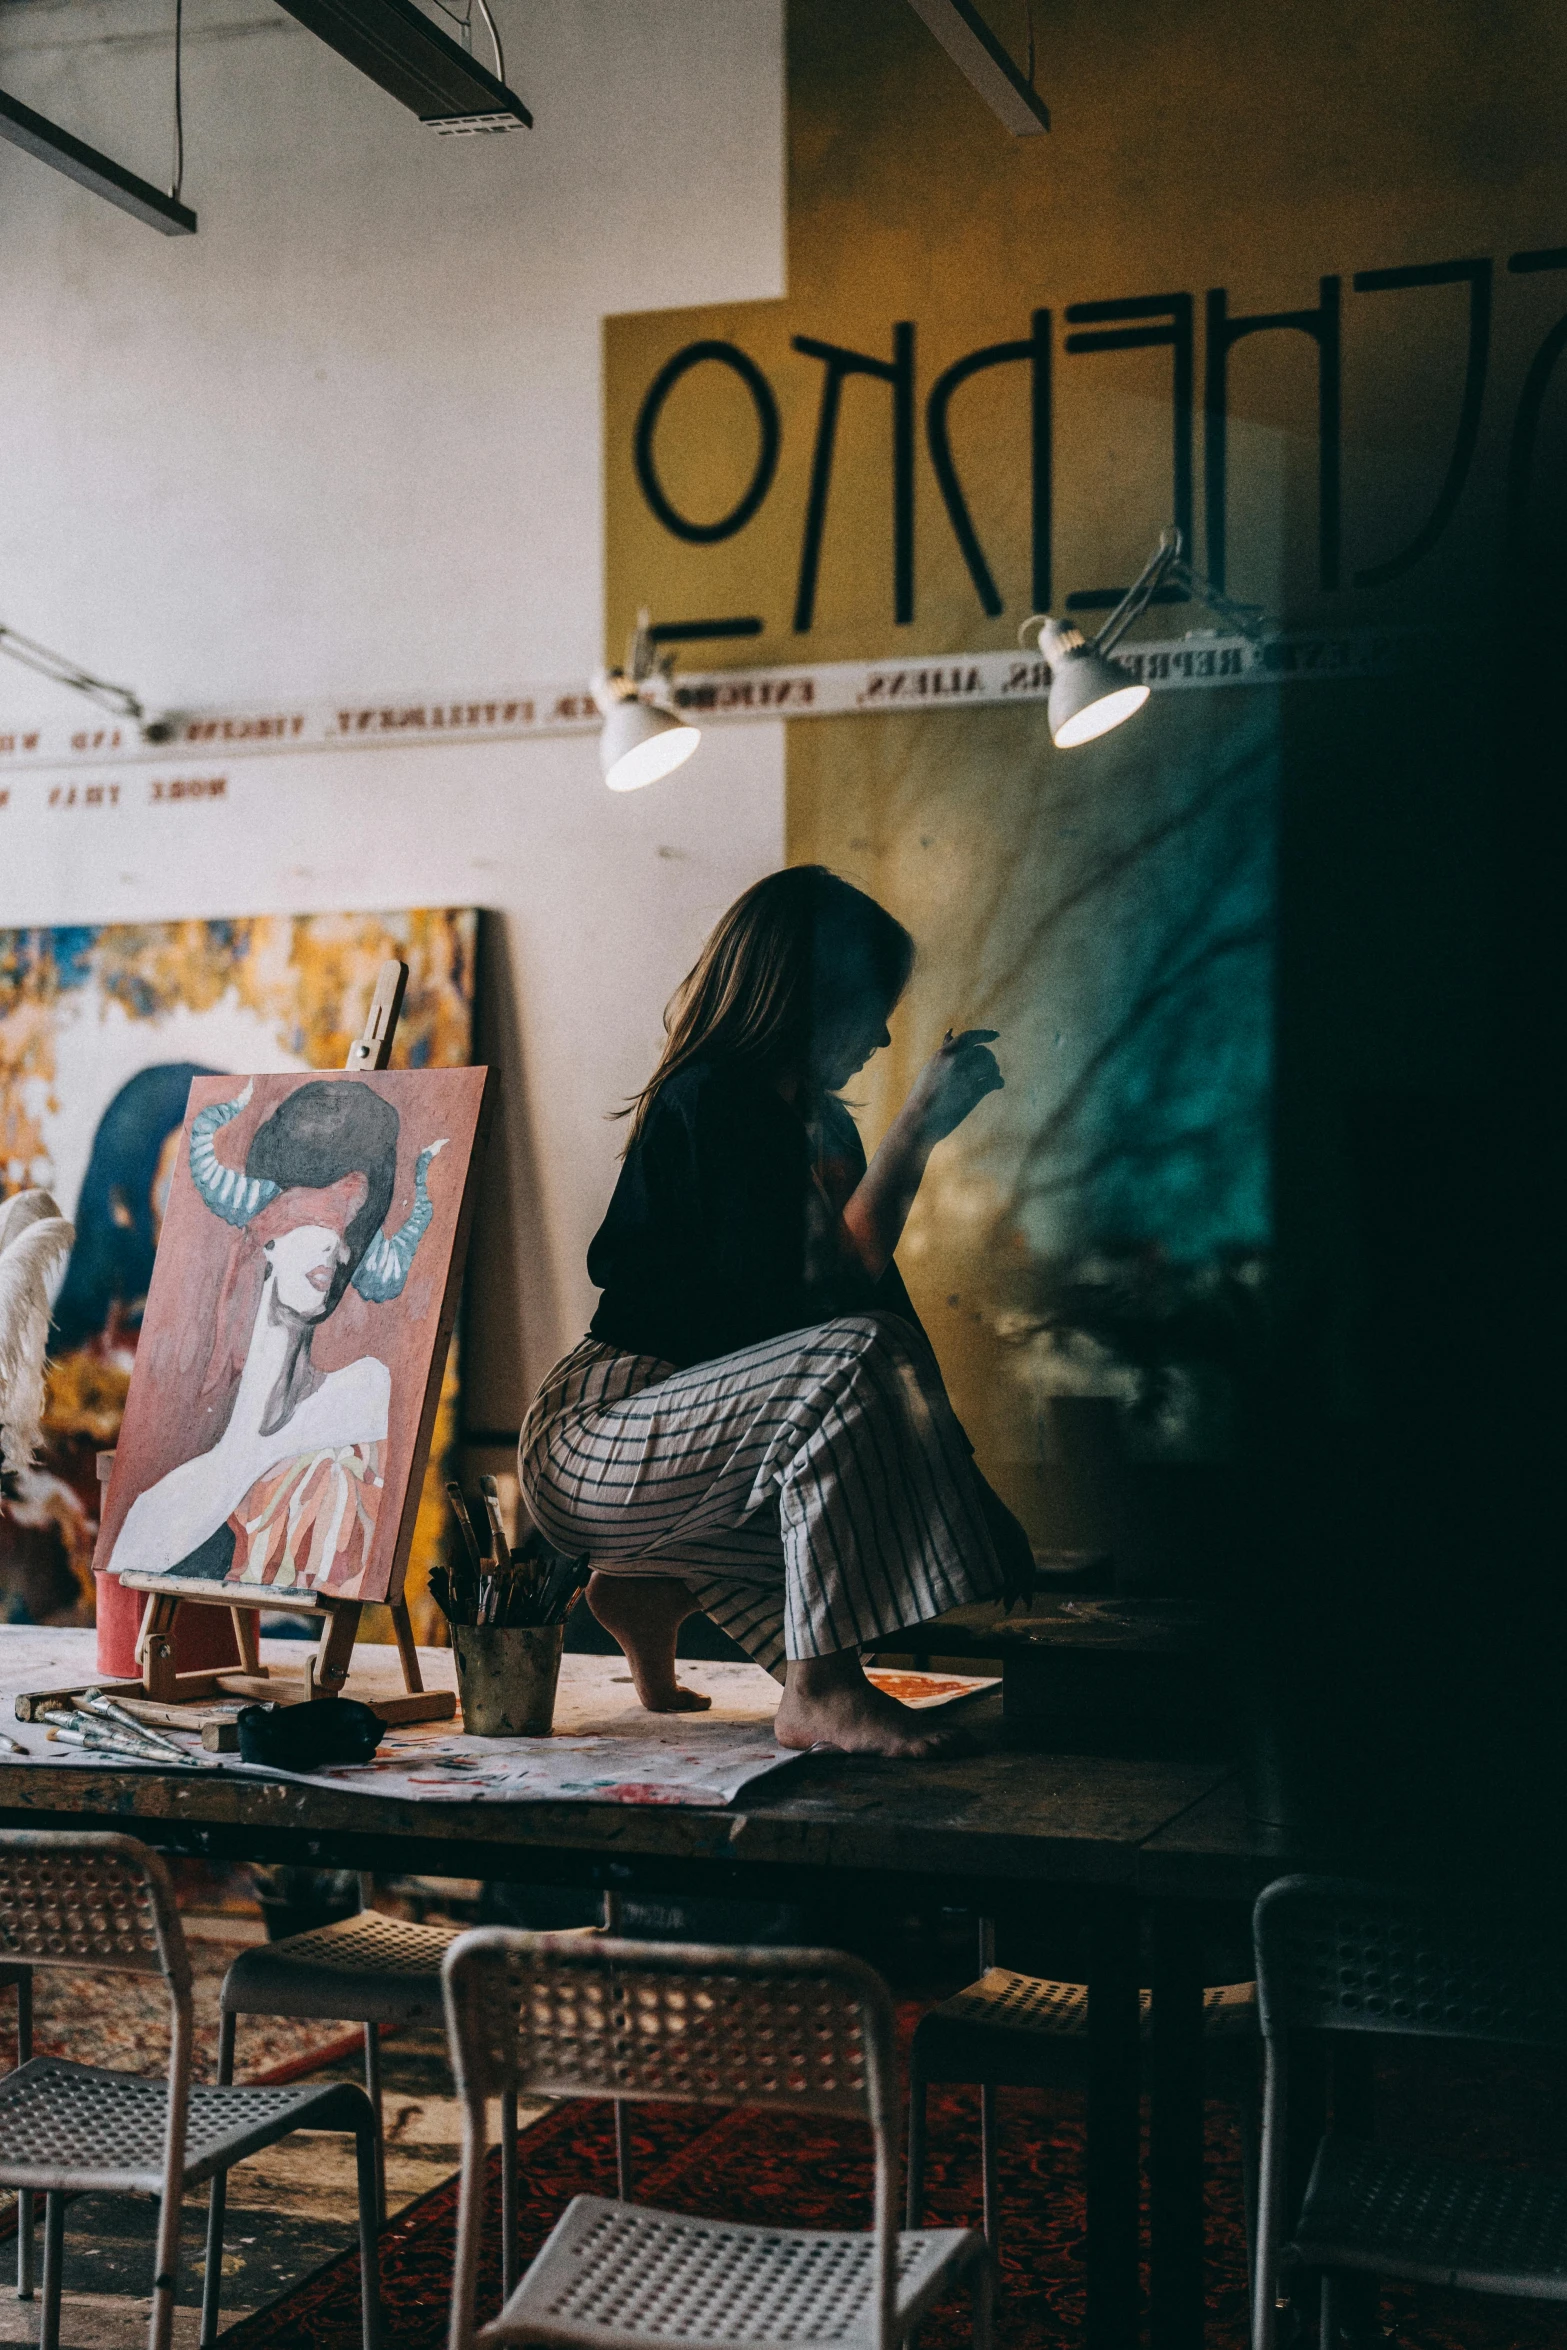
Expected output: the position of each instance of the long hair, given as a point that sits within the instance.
(794, 950)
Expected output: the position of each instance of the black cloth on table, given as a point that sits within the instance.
(724, 1228)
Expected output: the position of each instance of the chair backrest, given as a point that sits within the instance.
(571, 2015)
(1335, 1955)
(75, 1898)
(565, 2015)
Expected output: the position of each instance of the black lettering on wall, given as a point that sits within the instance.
(1519, 549)
(938, 435)
(706, 534)
(1477, 275)
(899, 373)
(1176, 336)
(1322, 324)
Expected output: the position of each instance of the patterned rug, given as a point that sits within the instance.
(808, 2171)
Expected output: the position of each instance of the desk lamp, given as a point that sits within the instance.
(1090, 693)
(644, 736)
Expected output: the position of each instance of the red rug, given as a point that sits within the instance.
(807, 2171)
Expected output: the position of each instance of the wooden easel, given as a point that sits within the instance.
(163, 1693)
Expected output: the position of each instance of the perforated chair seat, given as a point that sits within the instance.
(1439, 2223)
(367, 1969)
(1027, 2031)
(79, 2125)
(616, 2276)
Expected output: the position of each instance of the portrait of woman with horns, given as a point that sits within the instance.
(287, 1487)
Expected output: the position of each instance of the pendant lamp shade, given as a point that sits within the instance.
(1088, 693)
(641, 742)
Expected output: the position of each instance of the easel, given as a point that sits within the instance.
(165, 1695)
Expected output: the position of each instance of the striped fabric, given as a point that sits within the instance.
(815, 1492)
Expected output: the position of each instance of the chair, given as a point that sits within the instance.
(105, 1902)
(1013, 2031)
(1334, 1956)
(369, 1970)
(20, 1979)
(807, 2030)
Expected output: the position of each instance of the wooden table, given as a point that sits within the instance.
(1005, 1831)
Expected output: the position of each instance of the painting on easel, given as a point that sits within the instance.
(291, 1349)
(101, 1031)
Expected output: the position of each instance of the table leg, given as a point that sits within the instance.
(1113, 2124)
(1175, 2151)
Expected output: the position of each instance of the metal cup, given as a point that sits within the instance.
(507, 1675)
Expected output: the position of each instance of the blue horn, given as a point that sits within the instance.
(228, 1193)
(384, 1267)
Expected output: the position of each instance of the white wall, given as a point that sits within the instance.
(345, 442)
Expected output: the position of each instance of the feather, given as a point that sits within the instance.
(20, 1210)
(35, 1244)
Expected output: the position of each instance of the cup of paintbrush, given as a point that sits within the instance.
(507, 1606)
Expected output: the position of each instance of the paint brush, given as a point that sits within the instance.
(63, 1735)
(74, 1729)
(468, 1566)
(500, 1541)
(454, 1494)
(96, 1701)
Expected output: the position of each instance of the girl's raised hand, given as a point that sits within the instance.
(953, 1080)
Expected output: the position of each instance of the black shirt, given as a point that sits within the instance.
(724, 1228)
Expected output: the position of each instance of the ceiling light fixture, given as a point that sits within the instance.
(644, 736)
(1089, 692)
(36, 135)
(401, 50)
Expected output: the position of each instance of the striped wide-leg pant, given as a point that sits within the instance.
(814, 1493)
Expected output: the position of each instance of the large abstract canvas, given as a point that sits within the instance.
(289, 1367)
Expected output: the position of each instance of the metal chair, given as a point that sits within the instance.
(105, 1902)
(1013, 2031)
(807, 2030)
(1335, 1956)
(371, 1970)
(20, 1979)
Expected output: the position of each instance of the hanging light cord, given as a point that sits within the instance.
(464, 24)
(500, 54)
(179, 100)
(1030, 7)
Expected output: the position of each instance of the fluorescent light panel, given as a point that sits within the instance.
(396, 45)
(36, 135)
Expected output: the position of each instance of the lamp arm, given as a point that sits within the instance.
(1168, 563)
(118, 700)
(1138, 597)
(1246, 619)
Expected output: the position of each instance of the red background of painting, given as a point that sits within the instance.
(166, 1421)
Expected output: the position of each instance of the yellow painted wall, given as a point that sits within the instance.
(1200, 936)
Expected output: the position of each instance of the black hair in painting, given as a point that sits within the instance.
(318, 1135)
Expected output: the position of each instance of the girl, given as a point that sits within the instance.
(755, 1424)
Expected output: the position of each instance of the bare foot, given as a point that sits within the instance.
(827, 1701)
(644, 1612)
